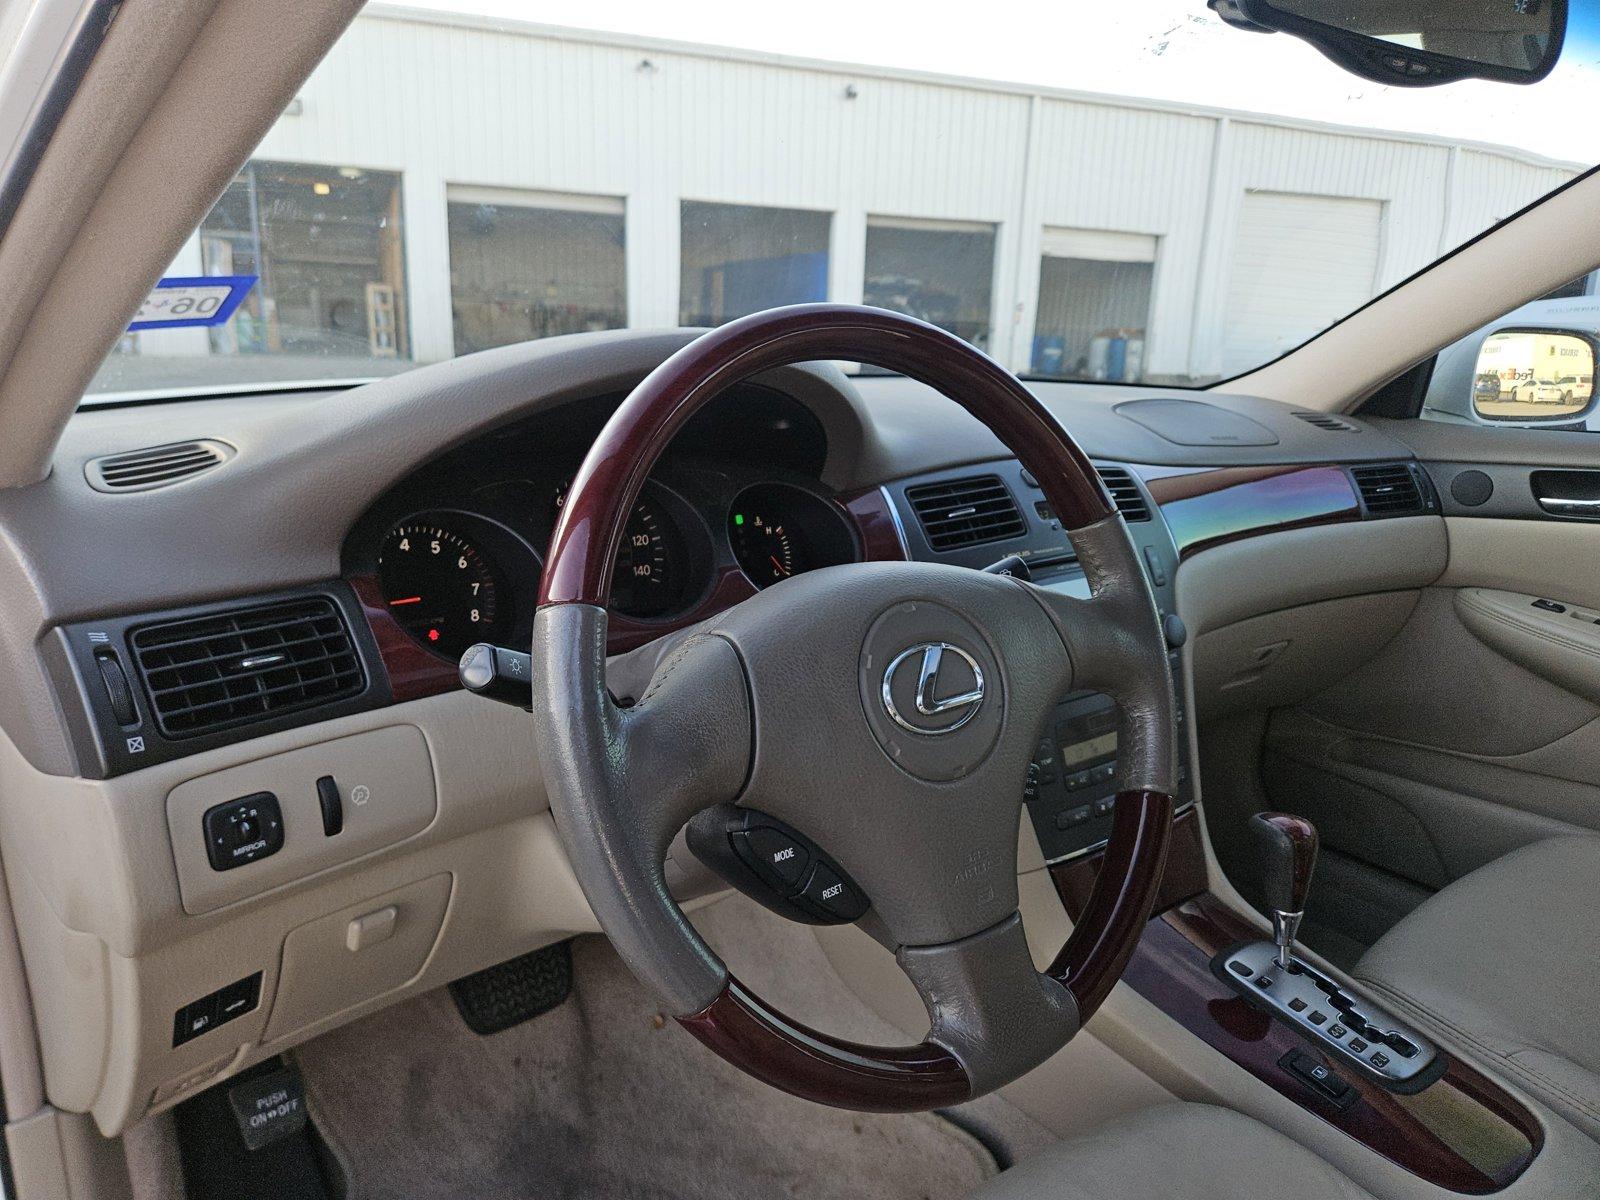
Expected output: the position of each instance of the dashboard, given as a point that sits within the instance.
(290, 626)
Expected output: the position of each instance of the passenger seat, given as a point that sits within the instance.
(1507, 959)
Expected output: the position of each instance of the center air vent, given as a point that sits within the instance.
(1125, 493)
(1389, 490)
(234, 668)
(1328, 422)
(155, 466)
(966, 512)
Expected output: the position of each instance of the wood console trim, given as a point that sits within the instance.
(1464, 1132)
(1208, 508)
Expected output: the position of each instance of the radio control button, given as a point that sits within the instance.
(1067, 818)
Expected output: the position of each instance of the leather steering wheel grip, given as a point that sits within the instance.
(622, 782)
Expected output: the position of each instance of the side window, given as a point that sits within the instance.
(1532, 369)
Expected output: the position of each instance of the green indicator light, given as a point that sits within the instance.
(738, 518)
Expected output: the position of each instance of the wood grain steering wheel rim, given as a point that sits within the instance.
(595, 756)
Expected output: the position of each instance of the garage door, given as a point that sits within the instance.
(1299, 264)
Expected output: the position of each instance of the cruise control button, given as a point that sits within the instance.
(826, 891)
(779, 855)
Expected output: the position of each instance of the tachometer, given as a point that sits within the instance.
(439, 586)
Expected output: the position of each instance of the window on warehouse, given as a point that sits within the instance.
(526, 265)
(1094, 304)
(737, 259)
(940, 271)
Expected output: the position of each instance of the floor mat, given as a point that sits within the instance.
(598, 1098)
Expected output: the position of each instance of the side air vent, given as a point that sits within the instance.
(155, 466)
(233, 668)
(1389, 490)
(1328, 422)
(966, 512)
(1125, 493)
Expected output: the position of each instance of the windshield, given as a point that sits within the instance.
(1132, 193)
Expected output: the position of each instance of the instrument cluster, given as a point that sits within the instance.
(457, 560)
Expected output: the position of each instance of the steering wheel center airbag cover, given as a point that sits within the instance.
(932, 690)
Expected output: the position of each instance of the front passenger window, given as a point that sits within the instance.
(1532, 369)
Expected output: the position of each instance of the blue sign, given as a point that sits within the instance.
(192, 301)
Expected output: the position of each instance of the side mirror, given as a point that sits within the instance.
(1533, 375)
(1418, 43)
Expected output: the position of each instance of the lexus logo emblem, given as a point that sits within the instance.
(933, 688)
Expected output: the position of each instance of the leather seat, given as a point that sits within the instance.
(1175, 1152)
(1507, 959)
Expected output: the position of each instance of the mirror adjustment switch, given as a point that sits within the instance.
(243, 831)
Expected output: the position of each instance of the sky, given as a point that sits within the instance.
(1158, 49)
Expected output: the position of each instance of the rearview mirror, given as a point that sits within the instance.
(1533, 375)
(1418, 43)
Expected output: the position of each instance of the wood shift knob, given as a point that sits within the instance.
(1289, 855)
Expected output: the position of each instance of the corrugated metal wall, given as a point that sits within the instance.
(469, 104)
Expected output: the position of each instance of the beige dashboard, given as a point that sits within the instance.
(450, 861)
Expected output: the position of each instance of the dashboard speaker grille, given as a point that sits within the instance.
(232, 668)
(155, 466)
(1125, 493)
(1389, 490)
(966, 512)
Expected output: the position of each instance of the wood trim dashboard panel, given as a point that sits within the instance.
(1210, 507)
(1463, 1132)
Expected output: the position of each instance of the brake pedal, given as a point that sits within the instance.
(512, 992)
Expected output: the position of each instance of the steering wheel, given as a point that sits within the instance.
(802, 703)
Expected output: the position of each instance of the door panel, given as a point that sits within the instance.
(1476, 729)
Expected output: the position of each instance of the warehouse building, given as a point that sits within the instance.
(438, 187)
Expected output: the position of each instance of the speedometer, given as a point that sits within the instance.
(439, 586)
(649, 576)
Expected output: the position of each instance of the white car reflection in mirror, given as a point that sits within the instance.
(1532, 368)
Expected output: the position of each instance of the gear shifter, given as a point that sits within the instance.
(1289, 855)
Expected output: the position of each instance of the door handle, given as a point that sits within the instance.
(1568, 506)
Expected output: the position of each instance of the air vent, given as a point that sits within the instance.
(966, 512)
(156, 466)
(234, 668)
(1389, 490)
(1125, 493)
(1326, 421)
